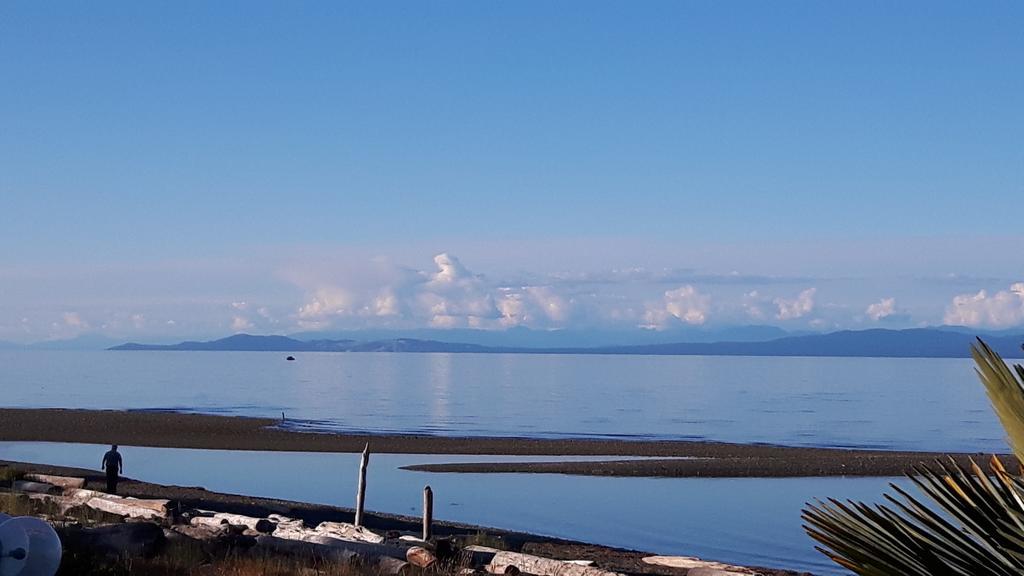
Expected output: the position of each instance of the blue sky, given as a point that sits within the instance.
(180, 169)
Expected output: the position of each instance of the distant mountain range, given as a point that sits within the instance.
(522, 337)
(910, 343)
(250, 343)
(83, 342)
(517, 337)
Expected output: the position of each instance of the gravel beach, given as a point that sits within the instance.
(669, 458)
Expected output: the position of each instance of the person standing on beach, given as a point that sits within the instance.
(113, 465)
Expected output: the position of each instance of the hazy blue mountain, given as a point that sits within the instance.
(238, 342)
(250, 343)
(413, 345)
(910, 343)
(527, 338)
(983, 332)
(83, 342)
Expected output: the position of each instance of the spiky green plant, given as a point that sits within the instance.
(975, 524)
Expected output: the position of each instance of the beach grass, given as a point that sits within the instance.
(15, 504)
(482, 538)
(9, 475)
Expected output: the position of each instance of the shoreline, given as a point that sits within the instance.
(669, 458)
(621, 560)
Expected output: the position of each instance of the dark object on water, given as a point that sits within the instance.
(290, 358)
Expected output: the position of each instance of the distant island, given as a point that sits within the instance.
(878, 343)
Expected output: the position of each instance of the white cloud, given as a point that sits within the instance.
(448, 297)
(240, 324)
(684, 304)
(536, 306)
(1000, 310)
(753, 305)
(454, 297)
(74, 320)
(449, 270)
(70, 325)
(324, 303)
(386, 303)
(249, 317)
(791, 309)
(882, 309)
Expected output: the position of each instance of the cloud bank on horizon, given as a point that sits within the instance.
(377, 293)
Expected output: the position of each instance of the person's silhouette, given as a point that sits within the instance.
(113, 465)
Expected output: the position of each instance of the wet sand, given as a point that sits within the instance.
(702, 459)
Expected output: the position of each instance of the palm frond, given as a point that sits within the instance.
(974, 525)
(974, 530)
(1005, 390)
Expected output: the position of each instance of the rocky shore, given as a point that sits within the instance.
(220, 513)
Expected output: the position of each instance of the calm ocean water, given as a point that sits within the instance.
(924, 404)
(920, 404)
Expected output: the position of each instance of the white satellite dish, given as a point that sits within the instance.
(28, 547)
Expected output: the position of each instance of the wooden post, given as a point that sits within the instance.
(428, 513)
(361, 493)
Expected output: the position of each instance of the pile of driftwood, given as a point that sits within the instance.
(148, 523)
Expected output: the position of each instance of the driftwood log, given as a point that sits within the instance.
(291, 529)
(300, 548)
(509, 562)
(477, 556)
(116, 505)
(155, 509)
(261, 525)
(420, 557)
(62, 481)
(209, 522)
(346, 531)
(133, 539)
(340, 535)
(392, 566)
(384, 564)
(200, 531)
(35, 487)
(691, 563)
(702, 571)
(360, 548)
(330, 548)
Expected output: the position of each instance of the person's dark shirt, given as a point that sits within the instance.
(112, 462)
